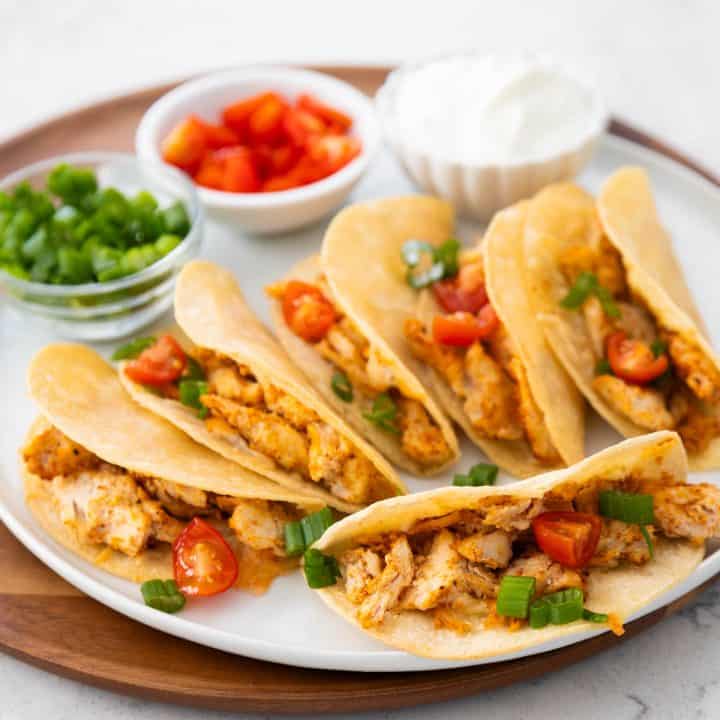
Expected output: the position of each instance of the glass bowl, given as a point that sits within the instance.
(113, 309)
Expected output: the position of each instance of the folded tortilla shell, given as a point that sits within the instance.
(623, 591)
(211, 310)
(79, 393)
(558, 216)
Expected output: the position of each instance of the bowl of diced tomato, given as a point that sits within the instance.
(268, 148)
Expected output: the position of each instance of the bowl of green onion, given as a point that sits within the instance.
(92, 242)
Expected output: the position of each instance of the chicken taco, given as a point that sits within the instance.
(237, 393)
(470, 573)
(634, 352)
(489, 362)
(130, 493)
(341, 316)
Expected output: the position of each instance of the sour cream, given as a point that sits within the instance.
(493, 110)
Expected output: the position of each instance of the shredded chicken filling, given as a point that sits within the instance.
(452, 565)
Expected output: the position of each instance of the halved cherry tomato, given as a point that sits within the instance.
(633, 360)
(236, 116)
(161, 363)
(325, 112)
(463, 328)
(569, 538)
(452, 297)
(299, 125)
(239, 171)
(204, 564)
(265, 122)
(186, 144)
(308, 313)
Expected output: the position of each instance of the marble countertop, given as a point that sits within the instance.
(654, 63)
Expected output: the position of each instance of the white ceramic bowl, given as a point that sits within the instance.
(479, 190)
(264, 212)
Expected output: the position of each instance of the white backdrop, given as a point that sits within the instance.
(655, 61)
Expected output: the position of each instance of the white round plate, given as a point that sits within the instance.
(290, 624)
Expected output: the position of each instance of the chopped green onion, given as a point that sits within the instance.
(163, 595)
(648, 540)
(427, 277)
(194, 370)
(413, 250)
(441, 261)
(342, 387)
(301, 534)
(294, 539)
(628, 507)
(133, 348)
(384, 414)
(539, 615)
(566, 606)
(480, 474)
(594, 617)
(320, 570)
(603, 367)
(606, 301)
(658, 347)
(190, 393)
(514, 596)
(584, 285)
(447, 254)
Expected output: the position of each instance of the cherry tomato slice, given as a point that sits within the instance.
(204, 564)
(186, 144)
(308, 313)
(452, 297)
(569, 538)
(239, 170)
(633, 360)
(161, 363)
(462, 329)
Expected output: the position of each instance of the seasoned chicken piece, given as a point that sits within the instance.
(387, 588)
(598, 325)
(493, 549)
(609, 268)
(620, 542)
(532, 418)
(549, 576)
(225, 380)
(106, 506)
(288, 407)
(477, 581)
(341, 348)
(361, 482)
(695, 368)
(688, 511)
(52, 453)
(510, 514)
(359, 568)
(261, 524)
(437, 574)
(501, 347)
(642, 405)
(265, 433)
(637, 322)
(447, 361)
(181, 500)
(490, 403)
(420, 438)
(698, 428)
(575, 259)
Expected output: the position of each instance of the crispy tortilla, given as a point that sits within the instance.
(361, 258)
(563, 214)
(211, 310)
(79, 393)
(622, 591)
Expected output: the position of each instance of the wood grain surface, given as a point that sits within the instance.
(47, 622)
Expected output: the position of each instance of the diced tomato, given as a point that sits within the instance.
(451, 296)
(239, 171)
(332, 152)
(325, 112)
(273, 161)
(217, 136)
(186, 144)
(237, 115)
(569, 538)
(204, 564)
(462, 329)
(299, 125)
(265, 124)
(304, 172)
(163, 362)
(633, 360)
(308, 313)
(211, 173)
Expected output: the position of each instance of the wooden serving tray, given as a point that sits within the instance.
(48, 623)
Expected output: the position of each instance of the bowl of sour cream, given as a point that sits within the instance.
(485, 131)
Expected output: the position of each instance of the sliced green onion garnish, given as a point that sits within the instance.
(658, 347)
(447, 254)
(132, 349)
(384, 414)
(440, 261)
(413, 250)
(294, 539)
(419, 280)
(163, 595)
(566, 606)
(603, 367)
(594, 617)
(514, 596)
(480, 474)
(606, 300)
(190, 393)
(301, 534)
(539, 615)
(320, 570)
(194, 370)
(648, 540)
(628, 507)
(342, 387)
(584, 285)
